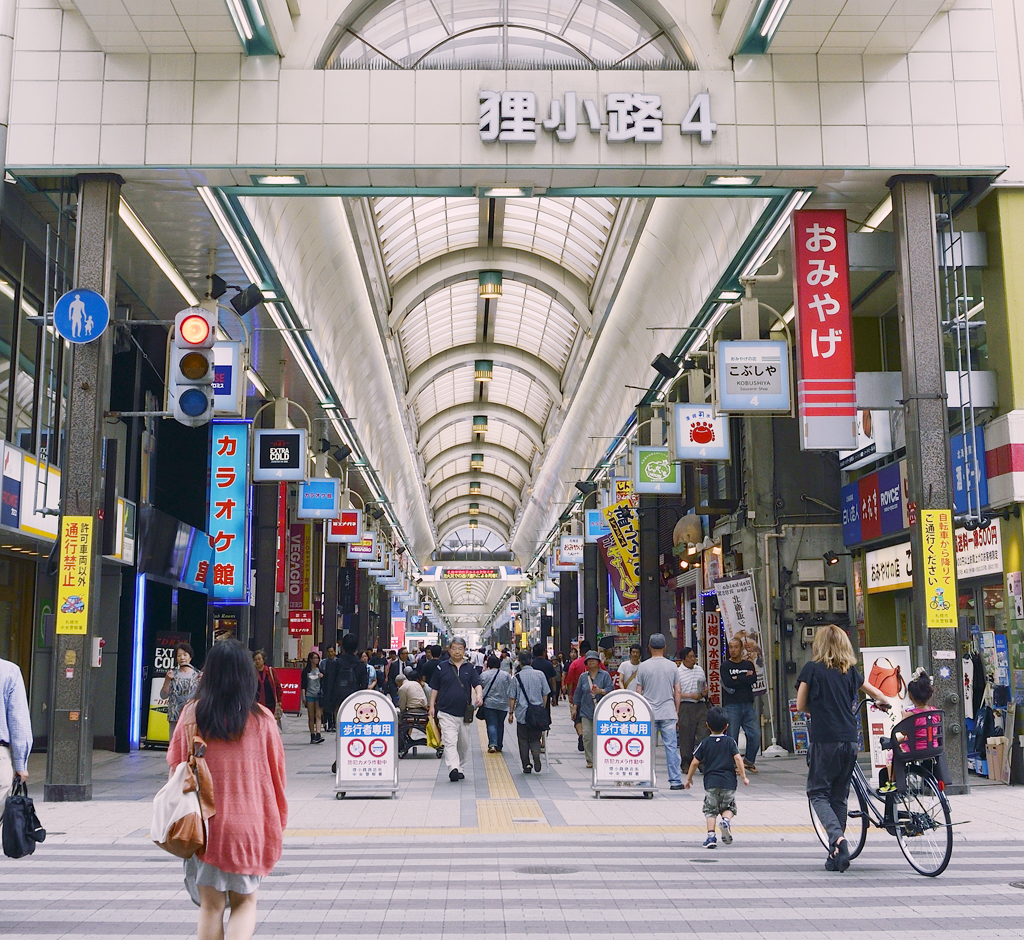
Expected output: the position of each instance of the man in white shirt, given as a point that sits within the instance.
(693, 706)
(627, 670)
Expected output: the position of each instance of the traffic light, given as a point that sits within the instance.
(190, 370)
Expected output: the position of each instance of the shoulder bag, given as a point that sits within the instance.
(20, 822)
(184, 804)
(490, 685)
(537, 718)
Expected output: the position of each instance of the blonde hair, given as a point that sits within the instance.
(833, 648)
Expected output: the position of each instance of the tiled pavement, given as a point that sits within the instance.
(506, 855)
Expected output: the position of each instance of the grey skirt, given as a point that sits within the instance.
(197, 872)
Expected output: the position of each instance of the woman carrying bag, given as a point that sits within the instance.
(268, 689)
(245, 758)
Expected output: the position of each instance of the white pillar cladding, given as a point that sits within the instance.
(8, 9)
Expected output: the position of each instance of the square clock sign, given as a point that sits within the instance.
(280, 454)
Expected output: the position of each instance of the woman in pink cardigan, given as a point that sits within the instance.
(246, 760)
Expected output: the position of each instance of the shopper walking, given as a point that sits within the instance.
(827, 690)
(454, 690)
(246, 760)
(15, 726)
(496, 685)
(592, 685)
(657, 680)
(313, 695)
(529, 687)
(330, 668)
(627, 670)
(738, 679)
(179, 684)
(268, 689)
(693, 706)
(720, 762)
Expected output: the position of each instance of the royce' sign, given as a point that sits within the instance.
(512, 117)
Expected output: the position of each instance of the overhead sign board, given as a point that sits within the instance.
(700, 433)
(300, 623)
(228, 520)
(752, 376)
(348, 527)
(471, 574)
(571, 549)
(280, 455)
(228, 379)
(319, 499)
(970, 482)
(365, 550)
(874, 440)
(594, 525)
(655, 471)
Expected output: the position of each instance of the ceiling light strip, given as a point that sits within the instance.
(136, 227)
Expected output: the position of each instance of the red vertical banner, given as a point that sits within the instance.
(298, 577)
(282, 536)
(821, 290)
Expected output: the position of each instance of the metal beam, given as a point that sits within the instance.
(465, 265)
(483, 501)
(509, 356)
(464, 479)
(459, 413)
(509, 457)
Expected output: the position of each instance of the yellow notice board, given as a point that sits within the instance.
(939, 567)
(76, 537)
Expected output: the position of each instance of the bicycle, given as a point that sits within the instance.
(917, 811)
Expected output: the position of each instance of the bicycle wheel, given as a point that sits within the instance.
(923, 827)
(856, 824)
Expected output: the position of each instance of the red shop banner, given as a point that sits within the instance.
(291, 689)
(300, 622)
(821, 288)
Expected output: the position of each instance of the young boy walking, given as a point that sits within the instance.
(721, 762)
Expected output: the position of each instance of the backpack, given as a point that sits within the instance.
(352, 677)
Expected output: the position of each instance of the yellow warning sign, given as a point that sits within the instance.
(75, 573)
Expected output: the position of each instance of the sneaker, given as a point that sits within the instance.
(726, 832)
(579, 742)
(527, 769)
(453, 775)
(677, 786)
(590, 766)
(887, 787)
(710, 842)
(491, 749)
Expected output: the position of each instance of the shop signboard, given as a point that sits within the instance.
(621, 551)
(471, 574)
(874, 440)
(737, 603)
(753, 376)
(850, 501)
(367, 745)
(939, 564)
(10, 504)
(623, 743)
(890, 499)
(300, 623)
(228, 517)
(713, 652)
(964, 482)
(290, 680)
(880, 662)
(74, 576)
(875, 505)
(700, 433)
(870, 515)
(827, 386)
(347, 528)
(197, 565)
(319, 499)
(594, 525)
(572, 549)
(979, 552)
(280, 454)
(557, 563)
(365, 550)
(228, 379)
(655, 471)
(299, 558)
(888, 569)
(622, 488)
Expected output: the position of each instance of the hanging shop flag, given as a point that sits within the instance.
(299, 558)
(939, 567)
(622, 551)
(347, 528)
(737, 604)
(628, 594)
(228, 521)
(319, 499)
(75, 573)
(753, 376)
(821, 274)
(700, 433)
(656, 471)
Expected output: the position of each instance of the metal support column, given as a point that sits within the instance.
(650, 570)
(568, 599)
(383, 639)
(69, 755)
(592, 566)
(545, 623)
(332, 557)
(362, 629)
(927, 433)
(265, 548)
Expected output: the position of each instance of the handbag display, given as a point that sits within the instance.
(886, 677)
(183, 805)
(21, 824)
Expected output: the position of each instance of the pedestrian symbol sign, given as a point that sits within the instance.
(81, 316)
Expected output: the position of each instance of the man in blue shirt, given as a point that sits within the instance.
(15, 726)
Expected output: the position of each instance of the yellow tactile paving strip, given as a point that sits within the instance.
(499, 781)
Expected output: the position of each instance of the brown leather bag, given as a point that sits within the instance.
(886, 677)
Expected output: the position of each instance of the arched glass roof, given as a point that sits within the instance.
(504, 435)
(414, 229)
(442, 320)
(494, 34)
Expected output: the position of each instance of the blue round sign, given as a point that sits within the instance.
(81, 316)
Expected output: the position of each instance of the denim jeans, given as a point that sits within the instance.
(670, 741)
(744, 714)
(495, 720)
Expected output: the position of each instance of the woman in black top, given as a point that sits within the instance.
(827, 690)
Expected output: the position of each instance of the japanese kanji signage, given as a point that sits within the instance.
(737, 603)
(228, 524)
(753, 375)
(367, 748)
(821, 273)
(348, 527)
(700, 433)
(300, 623)
(319, 499)
(621, 551)
(571, 549)
(76, 536)
(713, 652)
(623, 741)
(939, 560)
(656, 471)
(512, 117)
(300, 551)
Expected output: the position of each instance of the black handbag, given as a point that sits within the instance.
(537, 718)
(480, 714)
(21, 824)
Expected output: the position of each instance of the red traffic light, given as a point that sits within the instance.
(194, 330)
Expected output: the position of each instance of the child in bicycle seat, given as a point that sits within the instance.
(920, 691)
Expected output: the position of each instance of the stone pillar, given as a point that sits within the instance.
(332, 557)
(593, 569)
(927, 432)
(69, 755)
(568, 598)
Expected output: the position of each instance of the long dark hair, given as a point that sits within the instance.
(227, 692)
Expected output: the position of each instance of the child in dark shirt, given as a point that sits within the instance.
(720, 761)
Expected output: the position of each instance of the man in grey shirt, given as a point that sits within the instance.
(529, 687)
(657, 680)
